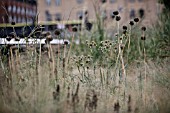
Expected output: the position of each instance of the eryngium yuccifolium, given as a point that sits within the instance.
(80, 17)
(13, 23)
(57, 32)
(143, 28)
(131, 23)
(74, 29)
(118, 18)
(65, 42)
(136, 19)
(124, 27)
(8, 38)
(115, 12)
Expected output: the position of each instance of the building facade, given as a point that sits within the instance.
(56, 10)
(19, 11)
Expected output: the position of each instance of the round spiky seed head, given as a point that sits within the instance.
(86, 12)
(124, 27)
(8, 38)
(57, 32)
(143, 28)
(115, 13)
(13, 23)
(112, 16)
(131, 23)
(143, 38)
(65, 42)
(118, 18)
(80, 17)
(136, 19)
(74, 29)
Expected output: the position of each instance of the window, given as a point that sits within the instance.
(113, 1)
(48, 16)
(48, 2)
(58, 2)
(80, 1)
(58, 17)
(141, 13)
(132, 13)
(9, 8)
(14, 9)
(131, 0)
(18, 10)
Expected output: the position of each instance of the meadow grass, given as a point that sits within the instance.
(101, 74)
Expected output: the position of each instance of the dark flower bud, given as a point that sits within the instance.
(103, 1)
(8, 38)
(131, 23)
(143, 38)
(118, 18)
(143, 28)
(124, 27)
(112, 16)
(80, 17)
(65, 42)
(115, 12)
(57, 32)
(12, 23)
(74, 29)
(136, 19)
(86, 12)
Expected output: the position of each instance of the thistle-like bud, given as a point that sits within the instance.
(136, 19)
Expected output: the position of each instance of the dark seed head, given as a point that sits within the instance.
(143, 28)
(136, 19)
(80, 17)
(12, 23)
(118, 18)
(143, 38)
(57, 32)
(74, 29)
(124, 27)
(8, 38)
(112, 16)
(131, 23)
(86, 12)
(65, 42)
(115, 12)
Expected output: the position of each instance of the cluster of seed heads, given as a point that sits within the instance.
(91, 44)
(116, 15)
(82, 61)
(105, 45)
